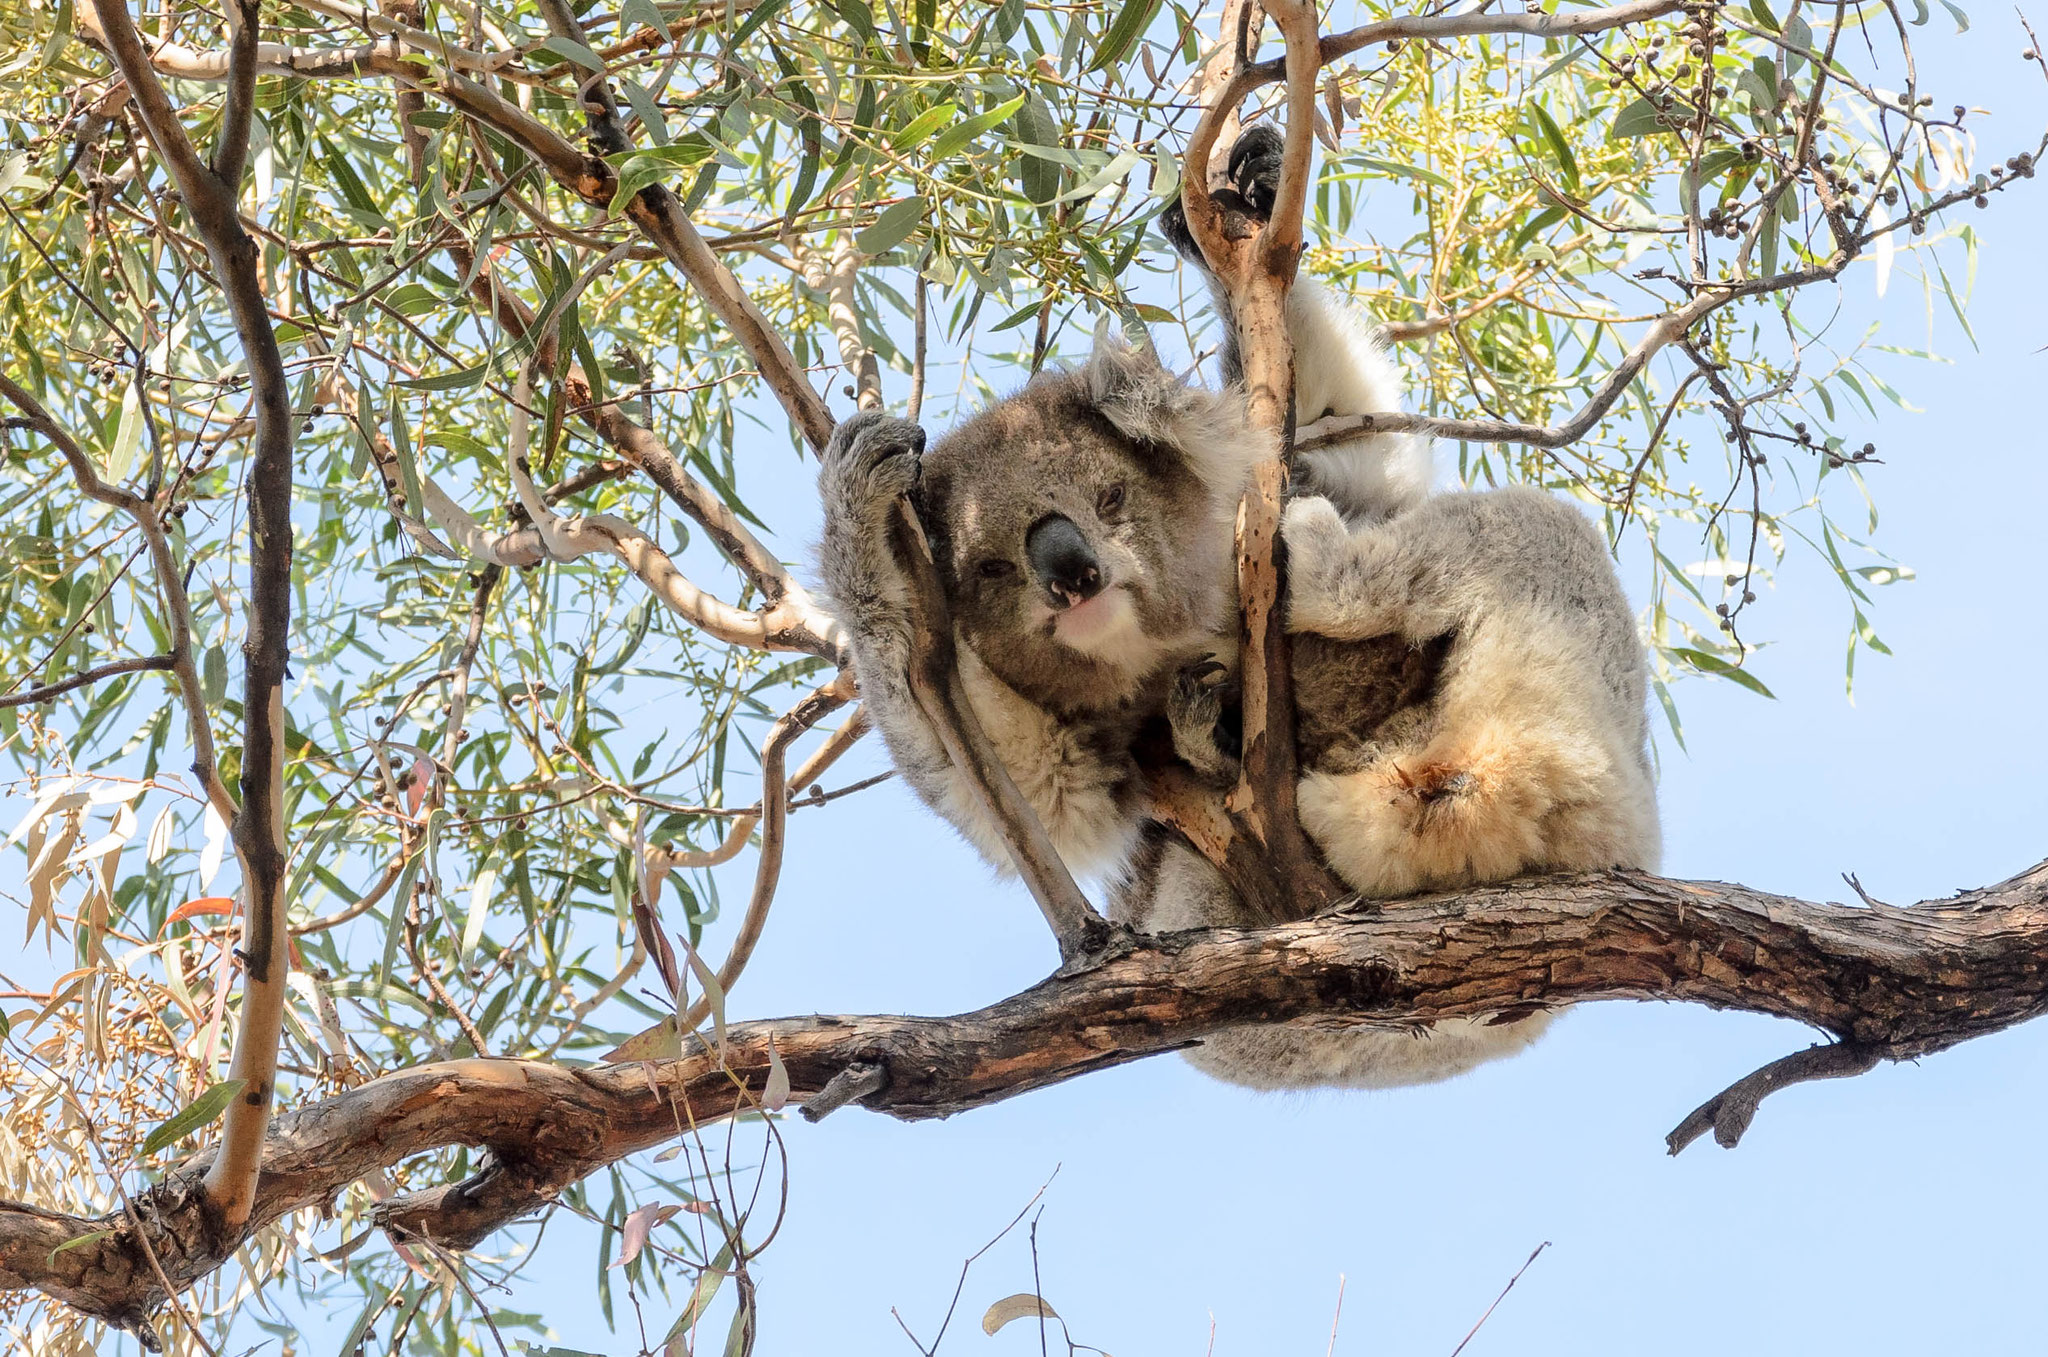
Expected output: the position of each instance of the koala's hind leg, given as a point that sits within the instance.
(1469, 806)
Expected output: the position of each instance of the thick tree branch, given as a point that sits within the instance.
(259, 827)
(1888, 983)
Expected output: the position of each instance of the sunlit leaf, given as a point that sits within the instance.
(201, 1111)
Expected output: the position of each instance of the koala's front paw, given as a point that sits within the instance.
(1255, 162)
(1201, 709)
(870, 460)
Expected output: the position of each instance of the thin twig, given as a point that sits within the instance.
(112, 669)
(1496, 1300)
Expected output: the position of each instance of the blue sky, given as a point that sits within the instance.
(1893, 1213)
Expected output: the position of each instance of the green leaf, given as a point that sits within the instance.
(893, 227)
(127, 435)
(213, 675)
(459, 443)
(1763, 14)
(700, 1300)
(1558, 145)
(1124, 30)
(1962, 19)
(761, 15)
(574, 52)
(638, 169)
(480, 899)
(1016, 318)
(1402, 171)
(410, 299)
(923, 125)
(401, 444)
(201, 1111)
(1639, 119)
(958, 135)
(1713, 664)
(647, 110)
(1034, 126)
(638, 14)
(1797, 35)
(1114, 172)
(80, 1241)
(460, 380)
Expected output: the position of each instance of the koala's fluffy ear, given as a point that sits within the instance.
(1145, 402)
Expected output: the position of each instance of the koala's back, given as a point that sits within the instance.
(1529, 754)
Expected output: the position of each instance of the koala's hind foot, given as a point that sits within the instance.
(1477, 807)
(1256, 158)
(1201, 708)
(1253, 182)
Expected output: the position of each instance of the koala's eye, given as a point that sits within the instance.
(1112, 500)
(995, 568)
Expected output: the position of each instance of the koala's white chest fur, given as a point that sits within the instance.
(1081, 798)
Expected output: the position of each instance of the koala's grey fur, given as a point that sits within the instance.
(1526, 754)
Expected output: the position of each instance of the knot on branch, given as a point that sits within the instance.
(462, 1215)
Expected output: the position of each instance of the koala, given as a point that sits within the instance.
(1449, 652)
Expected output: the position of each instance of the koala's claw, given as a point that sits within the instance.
(871, 459)
(1255, 163)
(1196, 710)
(1253, 182)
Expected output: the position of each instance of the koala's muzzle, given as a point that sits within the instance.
(1062, 560)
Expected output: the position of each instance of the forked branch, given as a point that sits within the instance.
(1255, 268)
(211, 195)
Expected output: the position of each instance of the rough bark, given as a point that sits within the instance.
(1885, 982)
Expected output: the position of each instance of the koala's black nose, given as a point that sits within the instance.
(1062, 559)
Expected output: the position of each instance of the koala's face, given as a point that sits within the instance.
(1078, 556)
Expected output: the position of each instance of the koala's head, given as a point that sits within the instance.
(1083, 525)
